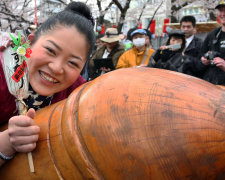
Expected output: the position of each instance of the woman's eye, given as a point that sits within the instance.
(73, 63)
(50, 51)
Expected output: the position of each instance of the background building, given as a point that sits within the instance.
(49, 7)
(195, 9)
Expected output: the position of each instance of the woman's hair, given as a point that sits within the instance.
(76, 14)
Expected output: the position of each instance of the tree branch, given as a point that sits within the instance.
(118, 5)
(154, 14)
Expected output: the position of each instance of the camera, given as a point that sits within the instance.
(211, 55)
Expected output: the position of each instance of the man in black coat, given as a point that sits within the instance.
(192, 53)
(214, 45)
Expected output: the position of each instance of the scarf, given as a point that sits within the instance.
(35, 100)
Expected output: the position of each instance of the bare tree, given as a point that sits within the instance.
(20, 13)
(61, 1)
(100, 19)
(142, 11)
(123, 11)
(155, 14)
(15, 13)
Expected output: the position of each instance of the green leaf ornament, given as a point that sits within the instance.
(14, 40)
(19, 38)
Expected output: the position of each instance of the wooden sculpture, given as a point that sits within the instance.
(134, 123)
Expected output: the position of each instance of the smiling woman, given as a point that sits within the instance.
(57, 62)
(60, 49)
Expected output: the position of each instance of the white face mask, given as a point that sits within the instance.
(139, 42)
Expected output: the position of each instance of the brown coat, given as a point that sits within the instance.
(117, 51)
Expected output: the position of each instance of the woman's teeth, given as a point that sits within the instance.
(48, 78)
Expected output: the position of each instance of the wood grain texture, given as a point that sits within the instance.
(134, 123)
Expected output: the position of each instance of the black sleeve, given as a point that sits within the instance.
(165, 65)
(154, 58)
(159, 64)
(194, 63)
(206, 44)
(156, 55)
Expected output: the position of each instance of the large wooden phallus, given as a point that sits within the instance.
(135, 123)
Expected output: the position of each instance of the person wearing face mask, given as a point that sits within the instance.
(139, 54)
(171, 56)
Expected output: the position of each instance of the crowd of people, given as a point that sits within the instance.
(183, 52)
(57, 61)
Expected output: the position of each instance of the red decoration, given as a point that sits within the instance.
(166, 21)
(19, 72)
(139, 25)
(28, 52)
(103, 29)
(152, 27)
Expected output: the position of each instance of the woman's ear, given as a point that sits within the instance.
(31, 38)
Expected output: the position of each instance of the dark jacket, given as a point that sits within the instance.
(115, 54)
(192, 55)
(212, 73)
(194, 48)
(171, 60)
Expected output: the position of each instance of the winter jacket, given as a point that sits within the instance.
(212, 73)
(171, 60)
(134, 58)
(193, 54)
(176, 61)
(194, 48)
(167, 59)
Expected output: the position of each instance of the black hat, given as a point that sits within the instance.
(221, 3)
(176, 32)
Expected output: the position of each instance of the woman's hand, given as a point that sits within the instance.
(205, 61)
(105, 69)
(219, 62)
(23, 133)
(163, 47)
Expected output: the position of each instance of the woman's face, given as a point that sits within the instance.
(174, 40)
(56, 60)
